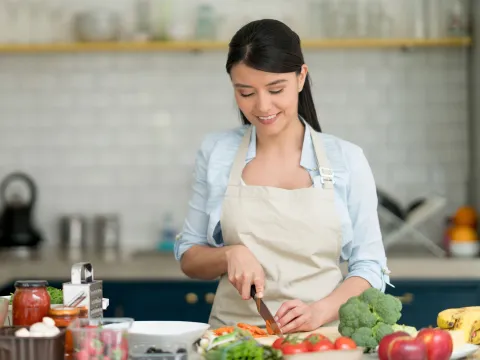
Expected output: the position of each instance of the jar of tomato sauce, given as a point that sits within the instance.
(63, 316)
(31, 302)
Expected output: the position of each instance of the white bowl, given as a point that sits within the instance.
(464, 248)
(165, 333)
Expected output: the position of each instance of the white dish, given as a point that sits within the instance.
(165, 333)
(464, 351)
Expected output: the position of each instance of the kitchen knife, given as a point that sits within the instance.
(265, 313)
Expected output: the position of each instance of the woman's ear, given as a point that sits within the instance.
(302, 77)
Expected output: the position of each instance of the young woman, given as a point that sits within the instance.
(277, 203)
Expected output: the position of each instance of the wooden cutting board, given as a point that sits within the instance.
(329, 331)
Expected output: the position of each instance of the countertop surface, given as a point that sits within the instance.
(158, 266)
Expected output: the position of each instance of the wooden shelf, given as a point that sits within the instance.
(210, 46)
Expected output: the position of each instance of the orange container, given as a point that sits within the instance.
(63, 316)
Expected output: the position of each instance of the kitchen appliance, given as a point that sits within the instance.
(73, 241)
(265, 313)
(16, 220)
(107, 235)
(83, 291)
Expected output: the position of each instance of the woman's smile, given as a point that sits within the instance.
(269, 119)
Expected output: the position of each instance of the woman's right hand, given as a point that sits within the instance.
(245, 270)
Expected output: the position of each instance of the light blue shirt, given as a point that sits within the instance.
(355, 199)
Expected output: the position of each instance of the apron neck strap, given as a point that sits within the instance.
(325, 171)
(239, 162)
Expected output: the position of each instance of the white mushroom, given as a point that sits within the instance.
(23, 332)
(48, 321)
(38, 328)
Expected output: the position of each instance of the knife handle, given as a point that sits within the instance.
(253, 291)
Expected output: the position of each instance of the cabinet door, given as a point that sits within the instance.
(165, 300)
(423, 300)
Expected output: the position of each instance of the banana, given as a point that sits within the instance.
(446, 319)
(474, 334)
(466, 320)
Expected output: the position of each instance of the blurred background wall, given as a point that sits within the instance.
(116, 132)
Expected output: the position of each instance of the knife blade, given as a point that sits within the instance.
(265, 313)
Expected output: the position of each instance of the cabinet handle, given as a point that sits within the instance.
(209, 297)
(406, 298)
(191, 298)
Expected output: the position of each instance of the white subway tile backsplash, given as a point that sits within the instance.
(119, 132)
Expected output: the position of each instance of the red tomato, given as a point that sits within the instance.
(345, 343)
(315, 337)
(322, 345)
(289, 348)
(277, 344)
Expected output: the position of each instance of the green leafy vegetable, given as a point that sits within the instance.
(243, 347)
(56, 295)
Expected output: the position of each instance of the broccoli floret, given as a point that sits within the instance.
(355, 313)
(345, 330)
(371, 296)
(380, 330)
(364, 337)
(388, 309)
(385, 307)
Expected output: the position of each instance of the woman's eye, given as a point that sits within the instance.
(246, 95)
(276, 91)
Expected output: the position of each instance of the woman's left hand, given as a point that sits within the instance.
(295, 315)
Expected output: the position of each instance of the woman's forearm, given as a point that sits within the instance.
(352, 286)
(204, 262)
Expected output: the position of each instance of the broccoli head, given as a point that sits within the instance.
(388, 309)
(364, 337)
(380, 330)
(369, 317)
(355, 313)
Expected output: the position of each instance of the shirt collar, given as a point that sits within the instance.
(308, 158)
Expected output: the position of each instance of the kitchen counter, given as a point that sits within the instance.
(158, 266)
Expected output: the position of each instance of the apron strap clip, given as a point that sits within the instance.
(326, 175)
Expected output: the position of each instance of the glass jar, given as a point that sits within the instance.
(63, 316)
(31, 302)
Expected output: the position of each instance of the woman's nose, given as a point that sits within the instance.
(264, 104)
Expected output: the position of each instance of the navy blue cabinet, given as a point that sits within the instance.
(161, 300)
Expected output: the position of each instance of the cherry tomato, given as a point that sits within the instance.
(345, 343)
(322, 345)
(315, 338)
(277, 344)
(289, 348)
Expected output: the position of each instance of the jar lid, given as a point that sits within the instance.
(31, 283)
(61, 311)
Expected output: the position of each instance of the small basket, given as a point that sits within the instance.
(30, 348)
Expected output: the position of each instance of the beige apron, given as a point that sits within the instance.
(296, 236)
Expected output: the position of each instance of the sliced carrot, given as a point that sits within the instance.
(223, 330)
(255, 330)
(269, 329)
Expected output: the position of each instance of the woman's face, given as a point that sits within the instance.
(268, 100)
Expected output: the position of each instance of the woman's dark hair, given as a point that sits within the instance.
(271, 46)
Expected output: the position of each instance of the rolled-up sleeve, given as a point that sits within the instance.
(194, 231)
(367, 258)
